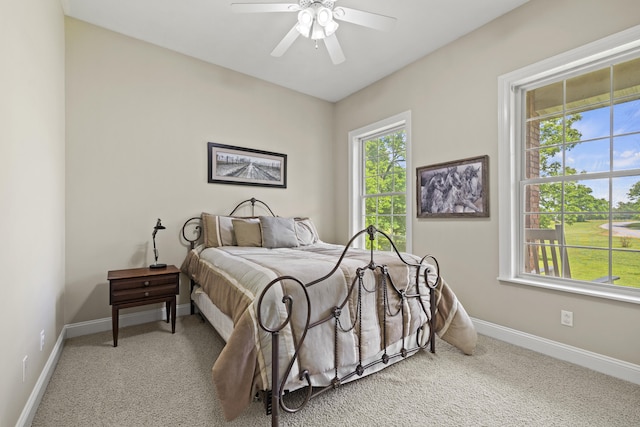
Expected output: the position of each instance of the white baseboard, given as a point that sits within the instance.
(129, 319)
(29, 410)
(597, 362)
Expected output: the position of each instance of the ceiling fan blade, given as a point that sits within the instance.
(286, 42)
(366, 19)
(264, 7)
(334, 49)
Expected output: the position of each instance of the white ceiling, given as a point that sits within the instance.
(210, 31)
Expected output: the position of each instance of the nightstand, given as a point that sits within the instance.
(140, 286)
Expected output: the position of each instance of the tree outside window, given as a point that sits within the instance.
(385, 186)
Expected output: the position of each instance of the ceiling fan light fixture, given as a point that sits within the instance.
(304, 30)
(331, 28)
(324, 16)
(306, 18)
(317, 31)
(316, 22)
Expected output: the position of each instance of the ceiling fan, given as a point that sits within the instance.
(317, 21)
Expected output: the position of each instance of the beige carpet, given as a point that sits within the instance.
(154, 378)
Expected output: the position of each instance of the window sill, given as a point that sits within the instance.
(617, 293)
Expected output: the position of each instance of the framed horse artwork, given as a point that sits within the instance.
(454, 189)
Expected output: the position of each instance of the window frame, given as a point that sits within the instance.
(619, 47)
(356, 191)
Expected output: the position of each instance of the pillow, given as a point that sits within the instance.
(218, 230)
(306, 232)
(247, 232)
(278, 232)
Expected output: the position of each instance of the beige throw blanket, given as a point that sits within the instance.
(234, 278)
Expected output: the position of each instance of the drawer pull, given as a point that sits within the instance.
(146, 294)
(147, 283)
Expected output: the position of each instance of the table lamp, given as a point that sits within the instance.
(157, 227)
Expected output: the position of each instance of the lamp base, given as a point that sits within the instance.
(158, 266)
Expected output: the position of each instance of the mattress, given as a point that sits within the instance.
(220, 321)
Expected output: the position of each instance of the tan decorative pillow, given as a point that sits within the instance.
(218, 230)
(247, 232)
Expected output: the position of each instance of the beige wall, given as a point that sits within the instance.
(452, 95)
(138, 121)
(31, 193)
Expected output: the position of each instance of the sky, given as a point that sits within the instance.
(593, 154)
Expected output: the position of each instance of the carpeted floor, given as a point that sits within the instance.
(154, 378)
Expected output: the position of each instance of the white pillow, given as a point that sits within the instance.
(306, 232)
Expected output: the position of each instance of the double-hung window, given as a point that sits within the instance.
(570, 166)
(379, 187)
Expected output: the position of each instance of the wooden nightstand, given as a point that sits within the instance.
(141, 286)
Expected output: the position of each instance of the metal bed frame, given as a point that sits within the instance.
(274, 399)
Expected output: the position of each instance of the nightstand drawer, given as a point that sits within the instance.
(143, 292)
(142, 282)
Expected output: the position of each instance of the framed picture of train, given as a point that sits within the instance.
(246, 166)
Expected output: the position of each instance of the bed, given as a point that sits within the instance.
(326, 314)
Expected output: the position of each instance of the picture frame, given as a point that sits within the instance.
(228, 164)
(457, 189)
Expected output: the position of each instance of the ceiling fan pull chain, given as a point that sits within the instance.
(316, 44)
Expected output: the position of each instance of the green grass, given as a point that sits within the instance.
(588, 264)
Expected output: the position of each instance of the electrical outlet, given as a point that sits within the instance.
(41, 339)
(24, 368)
(566, 317)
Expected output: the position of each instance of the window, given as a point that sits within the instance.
(570, 166)
(379, 188)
